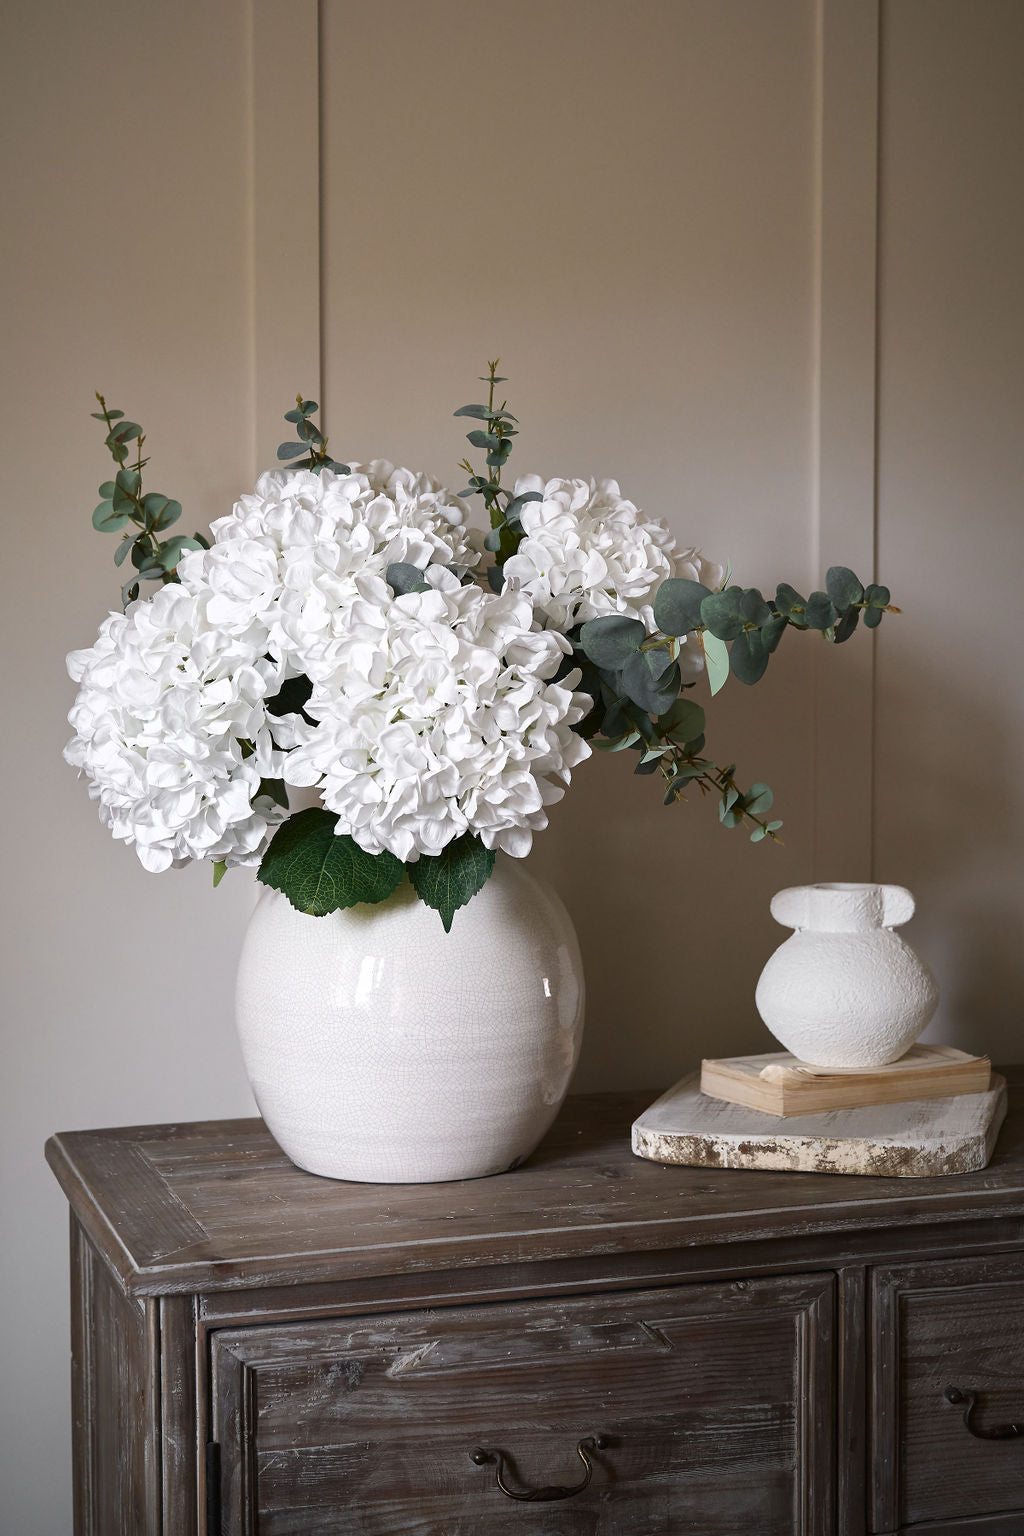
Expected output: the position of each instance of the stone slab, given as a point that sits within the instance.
(919, 1138)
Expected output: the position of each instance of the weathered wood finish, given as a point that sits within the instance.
(716, 1399)
(115, 1386)
(222, 1295)
(946, 1324)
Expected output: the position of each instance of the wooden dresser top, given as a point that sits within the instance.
(215, 1205)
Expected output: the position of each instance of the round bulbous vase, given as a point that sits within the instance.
(845, 990)
(384, 1050)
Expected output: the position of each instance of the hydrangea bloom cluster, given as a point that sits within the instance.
(171, 730)
(434, 713)
(589, 552)
(440, 717)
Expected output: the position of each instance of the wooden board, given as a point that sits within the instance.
(780, 1084)
(918, 1139)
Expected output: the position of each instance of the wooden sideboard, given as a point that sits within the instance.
(256, 1350)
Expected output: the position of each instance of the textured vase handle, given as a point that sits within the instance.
(897, 905)
(791, 907)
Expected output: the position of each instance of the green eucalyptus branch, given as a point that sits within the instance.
(503, 506)
(311, 441)
(139, 517)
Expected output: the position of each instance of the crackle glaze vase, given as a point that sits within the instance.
(383, 1050)
(844, 990)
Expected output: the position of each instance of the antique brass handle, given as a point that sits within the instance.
(958, 1395)
(483, 1456)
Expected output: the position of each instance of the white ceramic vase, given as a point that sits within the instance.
(382, 1049)
(845, 990)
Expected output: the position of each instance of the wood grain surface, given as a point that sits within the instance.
(716, 1402)
(216, 1205)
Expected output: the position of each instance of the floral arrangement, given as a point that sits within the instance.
(347, 631)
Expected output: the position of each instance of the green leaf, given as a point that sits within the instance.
(130, 591)
(121, 552)
(107, 490)
(716, 658)
(125, 432)
(612, 640)
(110, 416)
(517, 503)
(107, 520)
(480, 412)
(171, 551)
(496, 578)
(654, 695)
(483, 439)
(877, 597)
(720, 611)
(843, 587)
(170, 514)
(320, 870)
(749, 657)
(684, 722)
(126, 490)
(402, 577)
(293, 416)
(789, 602)
(872, 617)
(758, 799)
(753, 608)
(308, 406)
(677, 605)
(821, 611)
(448, 880)
(847, 624)
(220, 869)
(291, 450)
(773, 631)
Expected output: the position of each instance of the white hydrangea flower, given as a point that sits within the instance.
(588, 552)
(290, 555)
(166, 699)
(439, 717)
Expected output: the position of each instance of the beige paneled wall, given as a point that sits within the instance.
(661, 214)
(950, 687)
(625, 211)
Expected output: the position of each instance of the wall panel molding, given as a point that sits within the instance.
(846, 425)
(285, 202)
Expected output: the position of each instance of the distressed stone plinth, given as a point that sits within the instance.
(916, 1139)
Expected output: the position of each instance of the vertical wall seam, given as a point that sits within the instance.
(321, 263)
(817, 172)
(250, 244)
(876, 509)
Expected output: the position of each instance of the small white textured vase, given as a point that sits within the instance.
(844, 990)
(382, 1049)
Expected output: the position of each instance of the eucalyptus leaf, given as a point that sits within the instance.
(843, 587)
(758, 799)
(220, 869)
(612, 639)
(720, 611)
(107, 520)
(847, 624)
(479, 412)
(790, 603)
(402, 577)
(677, 605)
(122, 550)
(291, 450)
(308, 406)
(446, 881)
(872, 617)
(821, 611)
(654, 695)
(684, 722)
(749, 657)
(320, 870)
(716, 659)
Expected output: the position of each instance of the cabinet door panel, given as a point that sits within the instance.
(938, 1326)
(715, 1402)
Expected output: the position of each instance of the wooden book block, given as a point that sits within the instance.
(779, 1084)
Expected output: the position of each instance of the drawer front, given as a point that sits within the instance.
(936, 1327)
(715, 1404)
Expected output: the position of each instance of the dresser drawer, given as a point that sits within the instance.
(936, 1327)
(713, 1404)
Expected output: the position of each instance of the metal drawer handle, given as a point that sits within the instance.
(483, 1457)
(958, 1395)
